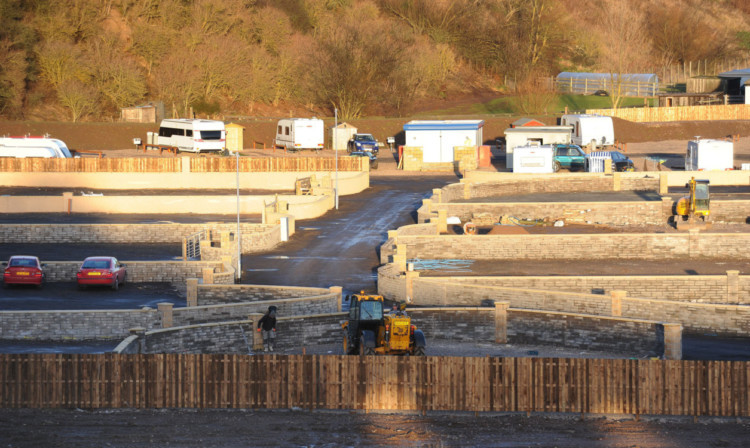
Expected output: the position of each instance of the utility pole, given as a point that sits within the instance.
(336, 150)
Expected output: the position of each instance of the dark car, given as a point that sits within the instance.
(571, 157)
(373, 158)
(621, 162)
(363, 142)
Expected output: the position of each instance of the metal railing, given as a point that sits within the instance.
(192, 245)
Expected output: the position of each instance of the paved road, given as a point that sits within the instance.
(67, 296)
(341, 247)
(78, 252)
(594, 196)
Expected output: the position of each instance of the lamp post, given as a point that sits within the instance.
(336, 150)
(238, 274)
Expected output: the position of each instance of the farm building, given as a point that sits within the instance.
(525, 135)
(690, 99)
(735, 83)
(438, 138)
(146, 113)
(632, 84)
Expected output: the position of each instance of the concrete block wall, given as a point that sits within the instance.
(729, 211)
(682, 288)
(581, 246)
(413, 157)
(224, 294)
(327, 303)
(455, 324)
(137, 271)
(221, 338)
(120, 233)
(625, 336)
(74, 325)
(726, 320)
(609, 213)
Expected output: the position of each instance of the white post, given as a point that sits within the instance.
(238, 274)
(336, 150)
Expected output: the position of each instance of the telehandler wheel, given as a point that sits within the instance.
(419, 351)
(366, 351)
(348, 349)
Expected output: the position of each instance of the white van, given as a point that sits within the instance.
(533, 159)
(193, 135)
(32, 146)
(709, 154)
(300, 133)
(590, 127)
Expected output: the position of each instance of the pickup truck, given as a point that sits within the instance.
(363, 142)
(571, 157)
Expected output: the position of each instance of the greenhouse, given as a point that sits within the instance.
(631, 84)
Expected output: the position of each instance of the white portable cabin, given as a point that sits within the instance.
(300, 133)
(533, 159)
(709, 155)
(438, 138)
(540, 135)
(31, 146)
(193, 135)
(341, 134)
(590, 127)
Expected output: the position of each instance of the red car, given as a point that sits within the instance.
(23, 270)
(106, 271)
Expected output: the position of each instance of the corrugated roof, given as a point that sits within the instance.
(740, 73)
(526, 122)
(438, 125)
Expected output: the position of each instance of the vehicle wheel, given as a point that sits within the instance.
(116, 284)
(419, 351)
(556, 166)
(81, 287)
(374, 165)
(586, 166)
(366, 351)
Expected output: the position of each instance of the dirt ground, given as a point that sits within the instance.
(298, 428)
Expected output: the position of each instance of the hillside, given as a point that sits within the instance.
(84, 60)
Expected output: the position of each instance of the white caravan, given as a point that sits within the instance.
(588, 128)
(193, 135)
(300, 133)
(31, 146)
(533, 159)
(709, 155)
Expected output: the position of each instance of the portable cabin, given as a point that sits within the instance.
(437, 138)
(539, 135)
(709, 154)
(341, 134)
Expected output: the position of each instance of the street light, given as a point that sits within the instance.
(336, 150)
(238, 274)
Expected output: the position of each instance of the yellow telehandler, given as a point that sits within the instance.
(371, 331)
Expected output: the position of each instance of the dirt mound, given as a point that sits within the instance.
(507, 230)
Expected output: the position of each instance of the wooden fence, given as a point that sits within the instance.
(274, 164)
(686, 113)
(174, 165)
(619, 386)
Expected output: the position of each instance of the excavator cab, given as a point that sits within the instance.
(692, 211)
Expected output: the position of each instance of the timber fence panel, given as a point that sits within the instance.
(608, 386)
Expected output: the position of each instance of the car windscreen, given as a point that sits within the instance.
(363, 138)
(210, 135)
(22, 262)
(95, 264)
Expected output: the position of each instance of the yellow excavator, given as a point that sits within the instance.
(369, 330)
(692, 211)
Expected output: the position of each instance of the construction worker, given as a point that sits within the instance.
(267, 324)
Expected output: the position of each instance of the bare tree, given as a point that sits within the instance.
(624, 46)
(77, 97)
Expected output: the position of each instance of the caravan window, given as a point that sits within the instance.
(286, 130)
(210, 135)
(279, 131)
(189, 132)
(168, 132)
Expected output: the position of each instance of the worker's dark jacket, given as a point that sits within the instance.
(267, 322)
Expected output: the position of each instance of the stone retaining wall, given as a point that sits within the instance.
(137, 271)
(72, 325)
(626, 336)
(641, 246)
(225, 294)
(726, 320)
